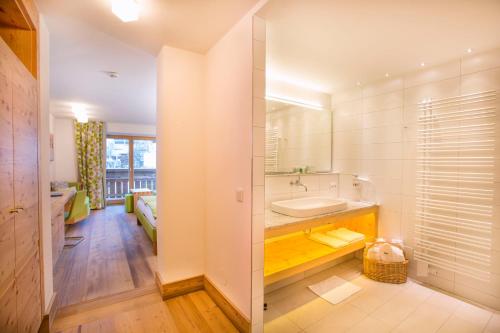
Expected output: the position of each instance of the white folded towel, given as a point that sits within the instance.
(327, 240)
(373, 253)
(389, 253)
(346, 235)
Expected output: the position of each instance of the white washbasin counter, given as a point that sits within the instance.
(275, 220)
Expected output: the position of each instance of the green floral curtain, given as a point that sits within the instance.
(90, 152)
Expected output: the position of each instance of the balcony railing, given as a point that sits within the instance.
(118, 184)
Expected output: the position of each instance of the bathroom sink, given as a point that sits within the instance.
(309, 206)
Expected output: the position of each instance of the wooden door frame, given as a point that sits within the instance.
(130, 139)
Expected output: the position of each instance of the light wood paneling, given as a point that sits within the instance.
(28, 296)
(8, 313)
(239, 320)
(7, 243)
(20, 279)
(177, 288)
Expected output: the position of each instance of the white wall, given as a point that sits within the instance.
(180, 164)
(65, 165)
(375, 136)
(44, 167)
(228, 164)
(130, 129)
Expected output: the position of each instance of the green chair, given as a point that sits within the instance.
(80, 208)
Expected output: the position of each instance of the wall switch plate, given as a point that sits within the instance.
(240, 194)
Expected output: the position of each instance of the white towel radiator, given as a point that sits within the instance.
(456, 146)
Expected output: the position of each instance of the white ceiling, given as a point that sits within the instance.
(79, 54)
(193, 25)
(332, 44)
(86, 39)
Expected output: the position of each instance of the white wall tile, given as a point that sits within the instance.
(259, 29)
(384, 86)
(433, 74)
(481, 61)
(259, 83)
(259, 54)
(257, 256)
(258, 200)
(258, 141)
(259, 112)
(258, 227)
(258, 171)
(257, 284)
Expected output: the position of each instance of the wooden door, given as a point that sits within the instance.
(8, 317)
(20, 279)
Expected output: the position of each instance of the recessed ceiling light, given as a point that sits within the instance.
(358, 83)
(422, 64)
(386, 74)
(469, 50)
(126, 10)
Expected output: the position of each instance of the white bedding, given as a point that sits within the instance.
(146, 211)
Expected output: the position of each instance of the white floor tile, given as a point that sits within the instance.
(371, 325)
(340, 319)
(310, 313)
(494, 323)
(426, 318)
(457, 325)
(281, 325)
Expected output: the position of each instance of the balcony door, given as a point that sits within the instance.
(130, 163)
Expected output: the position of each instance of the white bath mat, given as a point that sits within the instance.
(334, 289)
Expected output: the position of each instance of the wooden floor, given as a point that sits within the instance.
(115, 256)
(191, 313)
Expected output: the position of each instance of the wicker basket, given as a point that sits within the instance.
(385, 272)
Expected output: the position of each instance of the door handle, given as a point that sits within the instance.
(13, 211)
(19, 209)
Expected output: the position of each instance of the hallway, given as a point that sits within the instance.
(115, 256)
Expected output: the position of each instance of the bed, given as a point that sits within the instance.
(146, 216)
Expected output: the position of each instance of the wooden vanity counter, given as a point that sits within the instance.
(289, 251)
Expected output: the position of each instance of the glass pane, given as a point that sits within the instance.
(117, 168)
(145, 164)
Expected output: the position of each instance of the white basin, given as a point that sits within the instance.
(309, 206)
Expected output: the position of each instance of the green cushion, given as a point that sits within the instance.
(80, 208)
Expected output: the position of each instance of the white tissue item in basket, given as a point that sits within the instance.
(397, 254)
(373, 253)
(385, 252)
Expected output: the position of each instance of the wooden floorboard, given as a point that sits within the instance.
(191, 313)
(115, 256)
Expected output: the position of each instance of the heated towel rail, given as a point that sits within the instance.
(455, 183)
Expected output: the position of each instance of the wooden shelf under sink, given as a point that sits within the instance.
(293, 253)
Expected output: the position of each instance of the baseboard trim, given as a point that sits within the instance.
(239, 320)
(201, 282)
(178, 288)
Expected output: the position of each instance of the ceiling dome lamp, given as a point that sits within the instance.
(80, 113)
(126, 10)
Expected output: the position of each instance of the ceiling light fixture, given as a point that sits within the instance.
(358, 83)
(469, 50)
(294, 101)
(386, 74)
(126, 10)
(422, 64)
(111, 74)
(80, 113)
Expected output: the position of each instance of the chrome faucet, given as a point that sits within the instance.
(297, 182)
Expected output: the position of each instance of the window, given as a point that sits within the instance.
(130, 163)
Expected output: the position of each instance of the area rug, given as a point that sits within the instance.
(334, 289)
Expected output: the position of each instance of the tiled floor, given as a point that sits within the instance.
(378, 307)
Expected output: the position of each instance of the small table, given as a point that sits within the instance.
(139, 192)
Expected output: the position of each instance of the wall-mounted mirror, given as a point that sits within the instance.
(297, 137)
